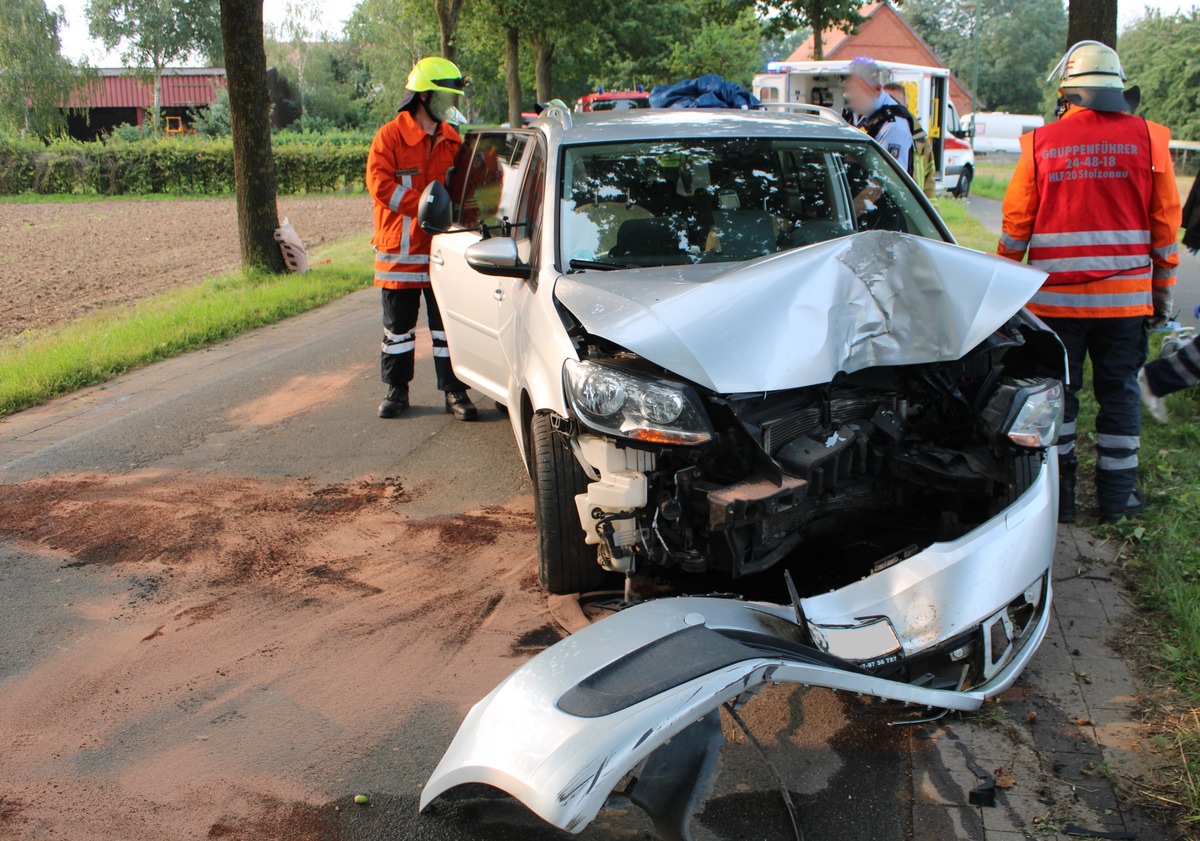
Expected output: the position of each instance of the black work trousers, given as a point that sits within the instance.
(1117, 348)
(400, 309)
(1176, 371)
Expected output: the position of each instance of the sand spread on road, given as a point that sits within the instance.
(246, 644)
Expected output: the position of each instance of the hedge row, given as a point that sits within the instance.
(175, 165)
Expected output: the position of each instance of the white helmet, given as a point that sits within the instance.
(1090, 75)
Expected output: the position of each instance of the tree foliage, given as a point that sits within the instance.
(1159, 55)
(387, 37)
(35, 79)
(561, 48)
(814, 15)
(1018, 41)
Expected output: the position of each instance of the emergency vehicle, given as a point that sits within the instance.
(999, 131)
(603, 100)
(820, 83)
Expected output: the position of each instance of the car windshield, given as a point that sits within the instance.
(679, 201)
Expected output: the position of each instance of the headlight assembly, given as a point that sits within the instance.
(618, 402)
(1028, 413)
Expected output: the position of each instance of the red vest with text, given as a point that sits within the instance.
(1094, 181)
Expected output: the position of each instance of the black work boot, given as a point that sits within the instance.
(1135, 505)
(395, 402)
(458, 404)
(1067, 468)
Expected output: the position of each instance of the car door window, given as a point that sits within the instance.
(492, 185)
(527, 230)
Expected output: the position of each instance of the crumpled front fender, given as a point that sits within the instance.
(563, 730)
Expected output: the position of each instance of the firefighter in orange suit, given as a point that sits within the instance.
(414, 149)
(1093, 202)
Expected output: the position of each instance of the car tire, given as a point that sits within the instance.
(566, 564)
(964, 183)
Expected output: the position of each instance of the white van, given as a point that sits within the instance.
(820, 83)
(1000, 131)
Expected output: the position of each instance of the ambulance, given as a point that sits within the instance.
(820, 83)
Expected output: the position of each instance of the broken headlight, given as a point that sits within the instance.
(1028, 413)
(618, 402)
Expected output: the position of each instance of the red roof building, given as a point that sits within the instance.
(883, 35)
(123, 96)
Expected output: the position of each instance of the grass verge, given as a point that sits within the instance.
(40, 364)
(1163, 548)
(991, 180)
(968, 230)
(77, 198)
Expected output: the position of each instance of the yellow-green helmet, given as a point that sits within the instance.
(436, 74)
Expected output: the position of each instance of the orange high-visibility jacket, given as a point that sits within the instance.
(1069, 206)
(403, 159)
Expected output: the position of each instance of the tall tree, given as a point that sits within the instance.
(512, 73)
(817, 15)
(35, 80)
(1012, 44)
(1159, 55)
(735, 50)
(1092, 20)
(511, 20)
(250, 115)
(387, 37)
(155, 33)
(447, 15)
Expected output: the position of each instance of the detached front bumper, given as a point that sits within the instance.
(567, 727)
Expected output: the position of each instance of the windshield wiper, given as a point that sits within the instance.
(598, 265)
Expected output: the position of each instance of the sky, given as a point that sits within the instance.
(77, 45)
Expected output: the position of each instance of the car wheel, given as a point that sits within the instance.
(964, 184)
(566, 564)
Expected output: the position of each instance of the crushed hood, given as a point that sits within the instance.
(799, 317)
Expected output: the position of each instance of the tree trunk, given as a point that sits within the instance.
(156, 117)
(250, 115)
(447, 12)
(543, 58)
(816, 19)
(512, 74)
(1092, 20)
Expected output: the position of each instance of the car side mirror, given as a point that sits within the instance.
(497, 257)
(433, 213)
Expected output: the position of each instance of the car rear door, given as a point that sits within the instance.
(485, 189)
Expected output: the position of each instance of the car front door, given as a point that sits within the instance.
(517, 294)
(485, 189)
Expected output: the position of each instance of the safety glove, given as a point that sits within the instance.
(1162, 307)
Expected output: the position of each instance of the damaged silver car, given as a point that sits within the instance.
(740, 344)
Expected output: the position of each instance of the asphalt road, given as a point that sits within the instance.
(235, 598)
(1187, 288)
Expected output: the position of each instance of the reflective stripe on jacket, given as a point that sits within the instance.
(402, 160)
(1098, 210)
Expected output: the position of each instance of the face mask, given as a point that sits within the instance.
(442, 108)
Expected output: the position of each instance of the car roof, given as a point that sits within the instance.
(665, 123)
